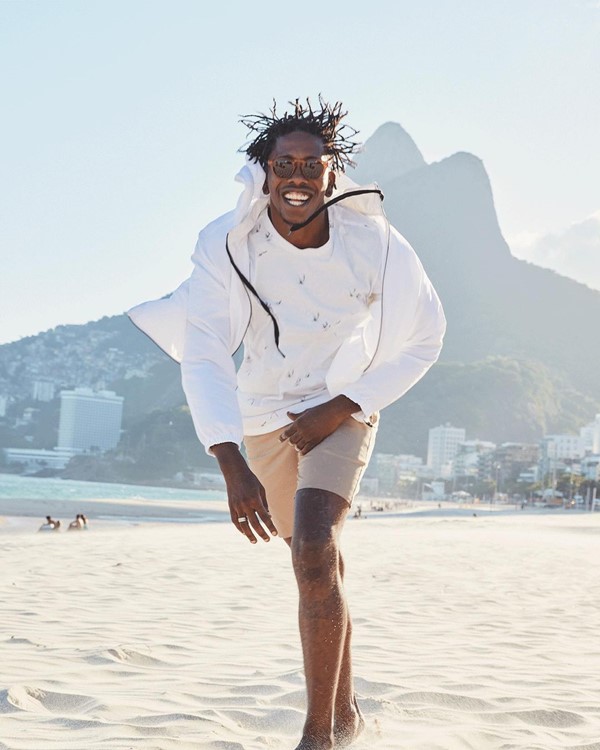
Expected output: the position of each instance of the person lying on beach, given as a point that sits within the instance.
(299, 277)
(79, 524)
(50, 525)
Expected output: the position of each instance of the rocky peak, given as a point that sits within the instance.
(389, 153)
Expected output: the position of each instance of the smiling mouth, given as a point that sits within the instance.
(296, 198)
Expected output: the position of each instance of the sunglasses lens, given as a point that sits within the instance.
(312, 169)
(283, 167)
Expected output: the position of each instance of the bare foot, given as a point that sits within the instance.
(348, 728)
(312, 742)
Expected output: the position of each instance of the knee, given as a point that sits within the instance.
(315, 559)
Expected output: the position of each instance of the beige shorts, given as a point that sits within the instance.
(336, 465)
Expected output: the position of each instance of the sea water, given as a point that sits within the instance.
(46, 488)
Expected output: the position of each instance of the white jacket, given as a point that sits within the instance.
(203, 322)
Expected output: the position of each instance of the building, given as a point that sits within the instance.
(34, 460)
(442, 448)
(43, 390)
(590, 467)
(590, 436)
(392, 470)
(89, 420)
(558, 452)
(511, 460)
(467, 461)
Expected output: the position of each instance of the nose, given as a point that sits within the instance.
(297, 175)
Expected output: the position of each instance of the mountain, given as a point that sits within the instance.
(572, 252)
(389, 153)
(521, 355)
(496, 305)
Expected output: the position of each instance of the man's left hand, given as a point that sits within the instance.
(312, 426)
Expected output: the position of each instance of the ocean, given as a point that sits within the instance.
(25, 498)
(13, 486)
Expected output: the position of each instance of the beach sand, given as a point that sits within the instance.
(470, 633)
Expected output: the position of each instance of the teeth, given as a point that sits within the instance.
(296, 198)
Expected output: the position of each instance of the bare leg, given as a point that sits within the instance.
(348, 721)
(323, 613)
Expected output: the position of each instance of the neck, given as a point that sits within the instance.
(314, 234)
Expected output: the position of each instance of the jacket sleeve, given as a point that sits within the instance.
(208, 372)
(412, 332)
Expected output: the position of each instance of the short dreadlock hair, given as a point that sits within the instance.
(323, 122)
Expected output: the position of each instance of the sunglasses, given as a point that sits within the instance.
(311, 168)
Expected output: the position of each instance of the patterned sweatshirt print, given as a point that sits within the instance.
(319, 296)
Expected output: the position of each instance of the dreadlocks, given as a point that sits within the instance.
(324, 123)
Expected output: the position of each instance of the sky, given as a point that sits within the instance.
(119, 137)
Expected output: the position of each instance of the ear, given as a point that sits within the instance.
(265, 187)
(331, 185)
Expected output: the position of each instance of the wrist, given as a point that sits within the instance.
(228, 455)
(344, 406)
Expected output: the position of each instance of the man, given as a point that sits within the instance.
(338, 320)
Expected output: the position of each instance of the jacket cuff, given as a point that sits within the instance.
(366, 412)
(217, 440)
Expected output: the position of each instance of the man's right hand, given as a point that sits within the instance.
(246, 495)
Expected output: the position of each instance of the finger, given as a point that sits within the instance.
(247, 530)
(268, 522)
(293, 416)
(307, 448)
(257, 526)
(288, 432)
(242, 524)
(235, 519)
(265, 514)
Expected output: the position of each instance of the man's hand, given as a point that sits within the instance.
(312, 426)
(246, 495)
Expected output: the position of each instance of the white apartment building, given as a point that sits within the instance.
(590, 436)
(590, 467)
(89, 420)
(558, 451)
(562, 447)
(43, 390)
(467, 460)
(442, 448)
(391, 469)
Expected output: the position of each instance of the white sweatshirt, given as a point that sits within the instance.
(318, 296)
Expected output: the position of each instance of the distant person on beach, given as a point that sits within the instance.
(50, 525)
(79, 524)
(338, 320)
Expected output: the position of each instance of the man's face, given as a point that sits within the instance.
(293, 199)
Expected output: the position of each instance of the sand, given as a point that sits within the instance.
(470, 633)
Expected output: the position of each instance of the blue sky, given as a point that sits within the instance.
(120, 129)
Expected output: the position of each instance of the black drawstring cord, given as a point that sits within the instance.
(249, 286)
(293, 228)
(349, 194)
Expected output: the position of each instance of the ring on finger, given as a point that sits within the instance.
(242, 519)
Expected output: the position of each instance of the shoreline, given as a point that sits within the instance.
(25, 515)
(28, 512)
